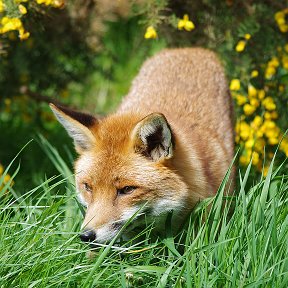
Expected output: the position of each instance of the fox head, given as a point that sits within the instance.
(124, 164)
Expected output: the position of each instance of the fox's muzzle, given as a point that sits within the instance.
(88, 236)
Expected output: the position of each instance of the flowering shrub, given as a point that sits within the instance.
(280, 18)
(185, 24)
(12, 11)
(242, 43)
(61, 64)
(259, 129)
(150, 33)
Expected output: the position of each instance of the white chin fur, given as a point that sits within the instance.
(164, 206)
(105, 233)
(128, 213)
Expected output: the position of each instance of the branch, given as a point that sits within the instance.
(40, 98)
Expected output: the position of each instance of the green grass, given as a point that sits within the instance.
(39, 244)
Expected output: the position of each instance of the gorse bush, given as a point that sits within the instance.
(13, 11)
(260, 100)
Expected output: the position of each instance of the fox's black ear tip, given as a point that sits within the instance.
(57, 107)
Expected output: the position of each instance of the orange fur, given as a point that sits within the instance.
(172, 159)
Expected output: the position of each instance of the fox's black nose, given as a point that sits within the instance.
(88, 236)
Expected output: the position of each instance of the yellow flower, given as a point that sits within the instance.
(270, 124)
(270, 72)
(265, 170)
(240, 46)
(53, 3)
(247, 36)
(23, 35)
(186, 23)
(267, 115)
(7, 177)
(268, 103)
(249, 109)
(150, 33)
(254, 102)
(257, 121)
(280, 18)
(243, 129)
(261, 94)
(1, 169)
(281, 88)
(58, 3)
(273, 141)
(270, 115)
(274, 115)
(255, 158)
(283, 28)
(246, 157)
(1, 6)
(10, 24)
(259, 144)
(46, 2)
(252, 91)
(235, 85)
(272, 132)
(241, 99)
(249, 143)
(286, 47)
(259, 133)
(244, 161)
(284, 146)
(254, 73)
(285, 62)
(244, 134)
(22, 9)
(274, 62)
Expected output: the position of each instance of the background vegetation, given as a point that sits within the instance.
(85, 54)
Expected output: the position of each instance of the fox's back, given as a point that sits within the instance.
(189, 87)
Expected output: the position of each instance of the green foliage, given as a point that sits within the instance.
(244, 247)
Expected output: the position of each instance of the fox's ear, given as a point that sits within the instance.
(153, 138)
(77, 125)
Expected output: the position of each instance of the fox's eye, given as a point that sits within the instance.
(126, 190)
(87, 187)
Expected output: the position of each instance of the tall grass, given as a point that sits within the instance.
(241, 247)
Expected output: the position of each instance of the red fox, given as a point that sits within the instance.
(167, 146)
